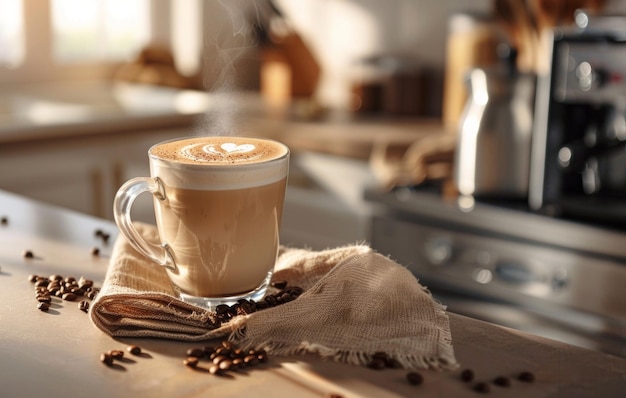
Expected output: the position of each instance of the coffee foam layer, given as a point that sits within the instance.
(219, 150)
(240, 168)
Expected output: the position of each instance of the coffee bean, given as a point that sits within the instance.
(134, 349)
(502, 381)
(526, 376)
(95, 251)
(4, 220)
(116, 354)
(467, 375)
(44, 298)
(279, 284)
(238, 362)
(83, 305)
(28, 254)
(106, 359)
(69, 296)
(43, 306)
(105, 237)
(222, 309)
(377, 364)
(392, 363)
(482, 387)
(223, 351)
(250, 360)
(262, 356)
(191, 362)
(77, 291)
(70, 280)
(215, 370)
(414, 378)
(226, 364)
(41, 283)
(84, 283)
(98, 233)
(195, 352)
(33, 278)
(286, 297)
(219, 358)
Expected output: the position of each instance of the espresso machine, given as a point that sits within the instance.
(578, 156)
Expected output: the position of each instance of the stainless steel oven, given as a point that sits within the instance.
(503, 263)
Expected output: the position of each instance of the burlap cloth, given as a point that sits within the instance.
(355, 303)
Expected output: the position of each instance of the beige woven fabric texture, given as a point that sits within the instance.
(356, 302)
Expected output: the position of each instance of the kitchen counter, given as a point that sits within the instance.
(56, 353)
(77, 108)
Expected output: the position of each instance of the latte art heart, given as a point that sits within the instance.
(231, 147)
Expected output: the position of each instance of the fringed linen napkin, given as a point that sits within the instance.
(355, 303)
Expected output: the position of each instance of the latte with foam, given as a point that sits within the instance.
(218, 210)
(219, 150)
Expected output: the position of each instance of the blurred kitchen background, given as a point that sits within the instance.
(481, 143)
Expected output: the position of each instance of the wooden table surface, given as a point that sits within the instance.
(56, 353)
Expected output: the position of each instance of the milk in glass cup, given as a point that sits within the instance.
(218, 204)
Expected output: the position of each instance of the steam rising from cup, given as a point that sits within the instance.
(225, 45)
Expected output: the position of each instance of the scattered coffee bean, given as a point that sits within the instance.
(85, 283)
(226, 364)
(482, 387)
(134, 349)
(377, 364)
(4, 220)
(28, 254)
(69, 296)
(238, 362)
(106, 359)
(414, 378)
(331, 395)
(95, 251)
(41, 283)
(195, 352)
(227, 357)
(43, 306)
(502, 381)
(42, 298)
(32, 278)
(102, 235)
(219, 358)
(116, 354)
(83, 305)
(279, 284)
(467, 375)
(191, 362)
(526, 376)
(250, 360)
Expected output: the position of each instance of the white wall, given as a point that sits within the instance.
(341, 31)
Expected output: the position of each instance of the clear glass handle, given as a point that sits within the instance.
(122, 204)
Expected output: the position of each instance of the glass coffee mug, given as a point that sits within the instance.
(218, 204)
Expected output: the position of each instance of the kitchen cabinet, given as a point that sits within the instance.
(81, 173)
